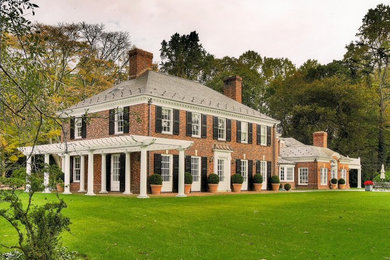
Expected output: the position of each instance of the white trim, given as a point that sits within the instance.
(78, 120)
(116, 125)
(299, 176)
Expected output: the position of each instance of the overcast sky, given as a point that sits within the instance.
(296, 29)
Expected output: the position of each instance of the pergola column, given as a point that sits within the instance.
(28, 172)
(82, 173)
(103, 188)
(46, 174)
(359, 178)
(181, 174)
(143, 175)
(127, 174)
(90, 174)
(67, 175)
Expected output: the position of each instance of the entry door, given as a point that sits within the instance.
(244, 174)
(166, 173)
(115, 172)
(195, 172)
(223, 174)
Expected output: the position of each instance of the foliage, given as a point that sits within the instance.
(188, 178)
(155, 179)
(341, 181)
(257, 178)
(287, 186)
(275, 179)
(237, 178)
(213, 178)
(377, 178)
(333, 181)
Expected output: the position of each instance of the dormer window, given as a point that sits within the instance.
(78, 126)
(119, 121)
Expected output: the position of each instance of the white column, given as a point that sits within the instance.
(28, 172)
(90, 174)
(127, 174)
(103, 188)
(67, 175)
(181, 174)
(143, 176)
(46, 174)
(359, 178)
(82, 173)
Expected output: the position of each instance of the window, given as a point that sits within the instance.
(263, 136)
(281, 174)
(324, 176)
(290, 173)
(344, 174)
(303, 176)
(76, 169)
(220, 169)
(78, 125)
(263, 169)
(196, 120)
(165, 167)
(119, 121)
(221, 128)
(195, 168)
(116, 167)
(334, 174)
(286, 173)
(166, 121)
(334, 169)
(244, 169)
(244, 132)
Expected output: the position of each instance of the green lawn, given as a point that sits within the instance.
(313, 225)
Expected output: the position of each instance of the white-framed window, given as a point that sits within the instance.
(333, 174)
(221, 128)
(116, 167)
(195, 168)
(244, 169)
(76, 169)
(78, 125)
(166, 120)
(166, 167)
(344, 174)
(244, 132)
(286, 173)
(196, 124)
(324, 176)
(119, 121)
(303, 178)
(263, 169)
(263, 135)
(220, 169)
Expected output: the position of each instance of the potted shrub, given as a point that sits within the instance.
(237, 181)
(275, 183)
(187, 182)
(258, 182)
(213, 181)
(60, 182)
(287, 186)
(155, 182)
(333, 184)
(341, 184)
(368, 185)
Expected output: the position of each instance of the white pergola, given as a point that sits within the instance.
(103, 146)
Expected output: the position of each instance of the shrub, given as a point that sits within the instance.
(377, 178)
(275, 179)
(188, 178)
(333, 181)
(257, 178)
(213, 178)
(155, 179)
(341, 181)
(237, 178)
(287, 186)
(366, 183)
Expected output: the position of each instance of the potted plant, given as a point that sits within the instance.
(187, 182)
(333, 184)
(237, 181)
(368, 185)
(213, 181)
(287, 186)
(341, 184)
(60, 182)
(275, 183)
(155, 182)
(258, 182)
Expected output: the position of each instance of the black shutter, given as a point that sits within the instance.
(204, 126)
(175, 173)
(250, 133)
(250, 174)
(111, 122)
(188, 164)
(108, 172)
(257, 167)
(268, 136)
(204, 185)
(157, 163)
(258, 134)
(71, 168)
(189, 123)
(238, 137)
(238, 166)
(269, 172)
(215, 127)
(126, 120)
(122, 172)
(176, 122)
(84, 127)
(228, 130)
(71, 126)
(158, 123)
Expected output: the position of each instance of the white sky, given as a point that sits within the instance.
(296, 29)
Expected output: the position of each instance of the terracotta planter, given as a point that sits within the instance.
(275, 186)
(187, 188)
(258, 186)
(342, 186)
(213, 188)
(156, 189)
(237, 187)
(60, 188)
(333, 186)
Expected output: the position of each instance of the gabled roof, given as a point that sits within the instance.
(160, 85)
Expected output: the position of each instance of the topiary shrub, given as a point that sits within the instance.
(257, 178)
(188, 178)
(341, 181)
(287, 186)
(155, 179)
(333, 181)
(237, 178)
(213, 179)
(275, 179)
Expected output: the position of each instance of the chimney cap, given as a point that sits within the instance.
(233, 78)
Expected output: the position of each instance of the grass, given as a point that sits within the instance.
(313, 225)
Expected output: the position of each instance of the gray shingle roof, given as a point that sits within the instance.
(173, 88)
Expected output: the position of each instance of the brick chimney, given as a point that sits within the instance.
(140, 61)
(233, 88)
(320, 139)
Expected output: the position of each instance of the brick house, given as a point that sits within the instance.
(157, 123)
(313, 166)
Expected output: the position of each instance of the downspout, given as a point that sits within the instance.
(149, 129)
